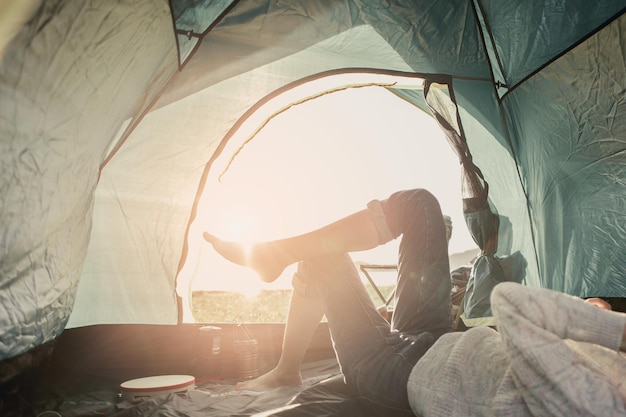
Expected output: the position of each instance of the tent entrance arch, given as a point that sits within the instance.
(318, 154)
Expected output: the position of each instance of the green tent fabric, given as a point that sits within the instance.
(115, 117)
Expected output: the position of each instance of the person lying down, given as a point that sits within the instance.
(552, 354)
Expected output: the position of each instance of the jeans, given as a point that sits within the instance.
(376, 358)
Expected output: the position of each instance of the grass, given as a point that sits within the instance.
(269, 306)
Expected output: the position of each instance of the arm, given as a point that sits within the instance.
(599, 302)
(552, 376)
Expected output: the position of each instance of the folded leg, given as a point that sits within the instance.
(376, 359)
(423, 288)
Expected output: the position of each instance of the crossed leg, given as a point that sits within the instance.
(305, 314)
(422, 304)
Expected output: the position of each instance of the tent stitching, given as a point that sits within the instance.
(565, 51)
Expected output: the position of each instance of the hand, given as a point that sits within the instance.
(599, 302)
(385, 312)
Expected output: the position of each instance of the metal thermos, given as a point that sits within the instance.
(247, 355)
(207, 352)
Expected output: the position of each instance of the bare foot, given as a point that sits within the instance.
(272, 379)
(266, 259)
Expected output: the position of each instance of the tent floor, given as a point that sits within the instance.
(80, 374)
(322, 393)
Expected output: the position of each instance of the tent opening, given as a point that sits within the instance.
(312, 164)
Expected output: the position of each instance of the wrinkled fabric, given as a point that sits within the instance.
(62, 101)
(553, 355)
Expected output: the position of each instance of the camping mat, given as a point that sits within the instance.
(322, 393)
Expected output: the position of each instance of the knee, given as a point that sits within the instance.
(404, 207)
(303, 285)
(413, 198)
(311, 272)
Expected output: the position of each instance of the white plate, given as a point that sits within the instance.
(152, 386)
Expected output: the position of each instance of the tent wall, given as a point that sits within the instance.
(552, 147)
(567, 127)
(119, 352)
(524, 36)
(68, 81)
(489, 144)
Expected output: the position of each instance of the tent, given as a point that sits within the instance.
(116, 117)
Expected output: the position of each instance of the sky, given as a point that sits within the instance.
(319, 161)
